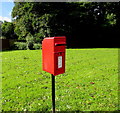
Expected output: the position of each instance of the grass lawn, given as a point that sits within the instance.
(89, 84)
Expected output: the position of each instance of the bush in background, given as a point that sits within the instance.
(30, 41)
(37, 46)
(21, 45)
(24, 46)
(2, 37)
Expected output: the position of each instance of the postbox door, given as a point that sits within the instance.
(59, 63)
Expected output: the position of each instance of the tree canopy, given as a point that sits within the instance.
(8, 30)
(77, 20)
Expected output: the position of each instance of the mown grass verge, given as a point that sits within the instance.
(89, 84)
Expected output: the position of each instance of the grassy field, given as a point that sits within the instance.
(89, 84)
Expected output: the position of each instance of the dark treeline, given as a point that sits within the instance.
(85, 24)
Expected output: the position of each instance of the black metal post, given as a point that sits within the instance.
(53, 93)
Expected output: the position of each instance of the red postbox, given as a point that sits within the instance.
(53, 55)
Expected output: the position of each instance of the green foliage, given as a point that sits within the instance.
(30, 41)
(38, 38)
(51, 19)
(111, 18)
(91, 20)
(33, 42)
(8, 30)
(2, 37)
(0, 28)
(89, 84)
(37, 46)
(20, 45)
(28, 22)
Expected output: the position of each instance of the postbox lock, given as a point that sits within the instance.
(60, 53)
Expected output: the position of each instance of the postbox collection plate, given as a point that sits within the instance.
(59, 61)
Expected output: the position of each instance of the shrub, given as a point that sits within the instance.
(37, 46)
(2, 37)
(30, 41)
(12, 43)
(20, 45)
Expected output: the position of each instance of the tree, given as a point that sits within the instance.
(88, 20)
(1, 28)
(43, 19)
(8, 30)
(29, 21)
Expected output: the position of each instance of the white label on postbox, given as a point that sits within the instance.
(59, 61)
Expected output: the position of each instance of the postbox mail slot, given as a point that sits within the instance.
(60, 52)
(60, 44)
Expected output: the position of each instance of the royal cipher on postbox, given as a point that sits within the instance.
(53, 54)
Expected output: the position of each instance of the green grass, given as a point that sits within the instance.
(89, 84)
